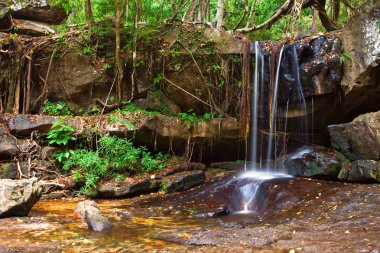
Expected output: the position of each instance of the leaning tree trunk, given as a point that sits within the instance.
(190, 12)
(219, 18)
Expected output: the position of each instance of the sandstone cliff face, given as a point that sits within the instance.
(361, 79)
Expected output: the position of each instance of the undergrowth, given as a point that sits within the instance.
(114, 158)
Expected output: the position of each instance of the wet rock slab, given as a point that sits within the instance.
(182, 181)
(126, 188)
(322, 216)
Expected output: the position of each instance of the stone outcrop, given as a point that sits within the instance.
(73, 78)
(32, 28)
(361, 41)
(215, 138)
(360, 139)
(30, 17)
(39, 10)
(17, 197)
(175, 179)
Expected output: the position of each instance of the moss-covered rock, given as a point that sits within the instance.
(8, 171)
(361, 170)
(316, 162)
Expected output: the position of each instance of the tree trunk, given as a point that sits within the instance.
(336, 11)
(219, 18)
(88, 12)
(327, 23)
(16, 105)
(160, 11)
(202, 10)
(314, 22)
(190, 12)
(28, 85)
(120, 8)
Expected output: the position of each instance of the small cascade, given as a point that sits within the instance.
(250, 191)
(255, 101)
(301, 98)
(272, 116)
(269, 120)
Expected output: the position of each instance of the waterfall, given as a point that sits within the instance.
(264, 102)
(255, 103)
(301, 97)
(273, 112)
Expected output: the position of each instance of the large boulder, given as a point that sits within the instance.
(80, 209)
(90, 212)
(96, 221)
(24, 125)
(8, 146)
(316, 162)
(360, 139)
(38, 10)
(361, 41)
(17, 197)
(74, 78)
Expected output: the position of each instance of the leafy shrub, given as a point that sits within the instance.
(190, 117)
(114, 157)
(60, 135)
(56, 109)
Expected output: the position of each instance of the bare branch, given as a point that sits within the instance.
(176, 12)
(243, 16)
(249, 21)
(276, 16)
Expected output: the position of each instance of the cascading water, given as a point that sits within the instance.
(301, 97)
(277, 120)
(273, 112)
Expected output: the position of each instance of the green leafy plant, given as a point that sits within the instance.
(114, 156)
(346, 57)
(61, 134)
(56, 109)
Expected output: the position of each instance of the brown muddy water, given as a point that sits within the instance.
(291, 215)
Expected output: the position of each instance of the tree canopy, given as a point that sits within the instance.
(262, 19)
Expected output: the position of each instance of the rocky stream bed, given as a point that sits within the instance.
(294, 215)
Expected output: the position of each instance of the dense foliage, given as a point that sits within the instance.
(300, 17)
(114, 158)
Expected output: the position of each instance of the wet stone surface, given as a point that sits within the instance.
(290, 214)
